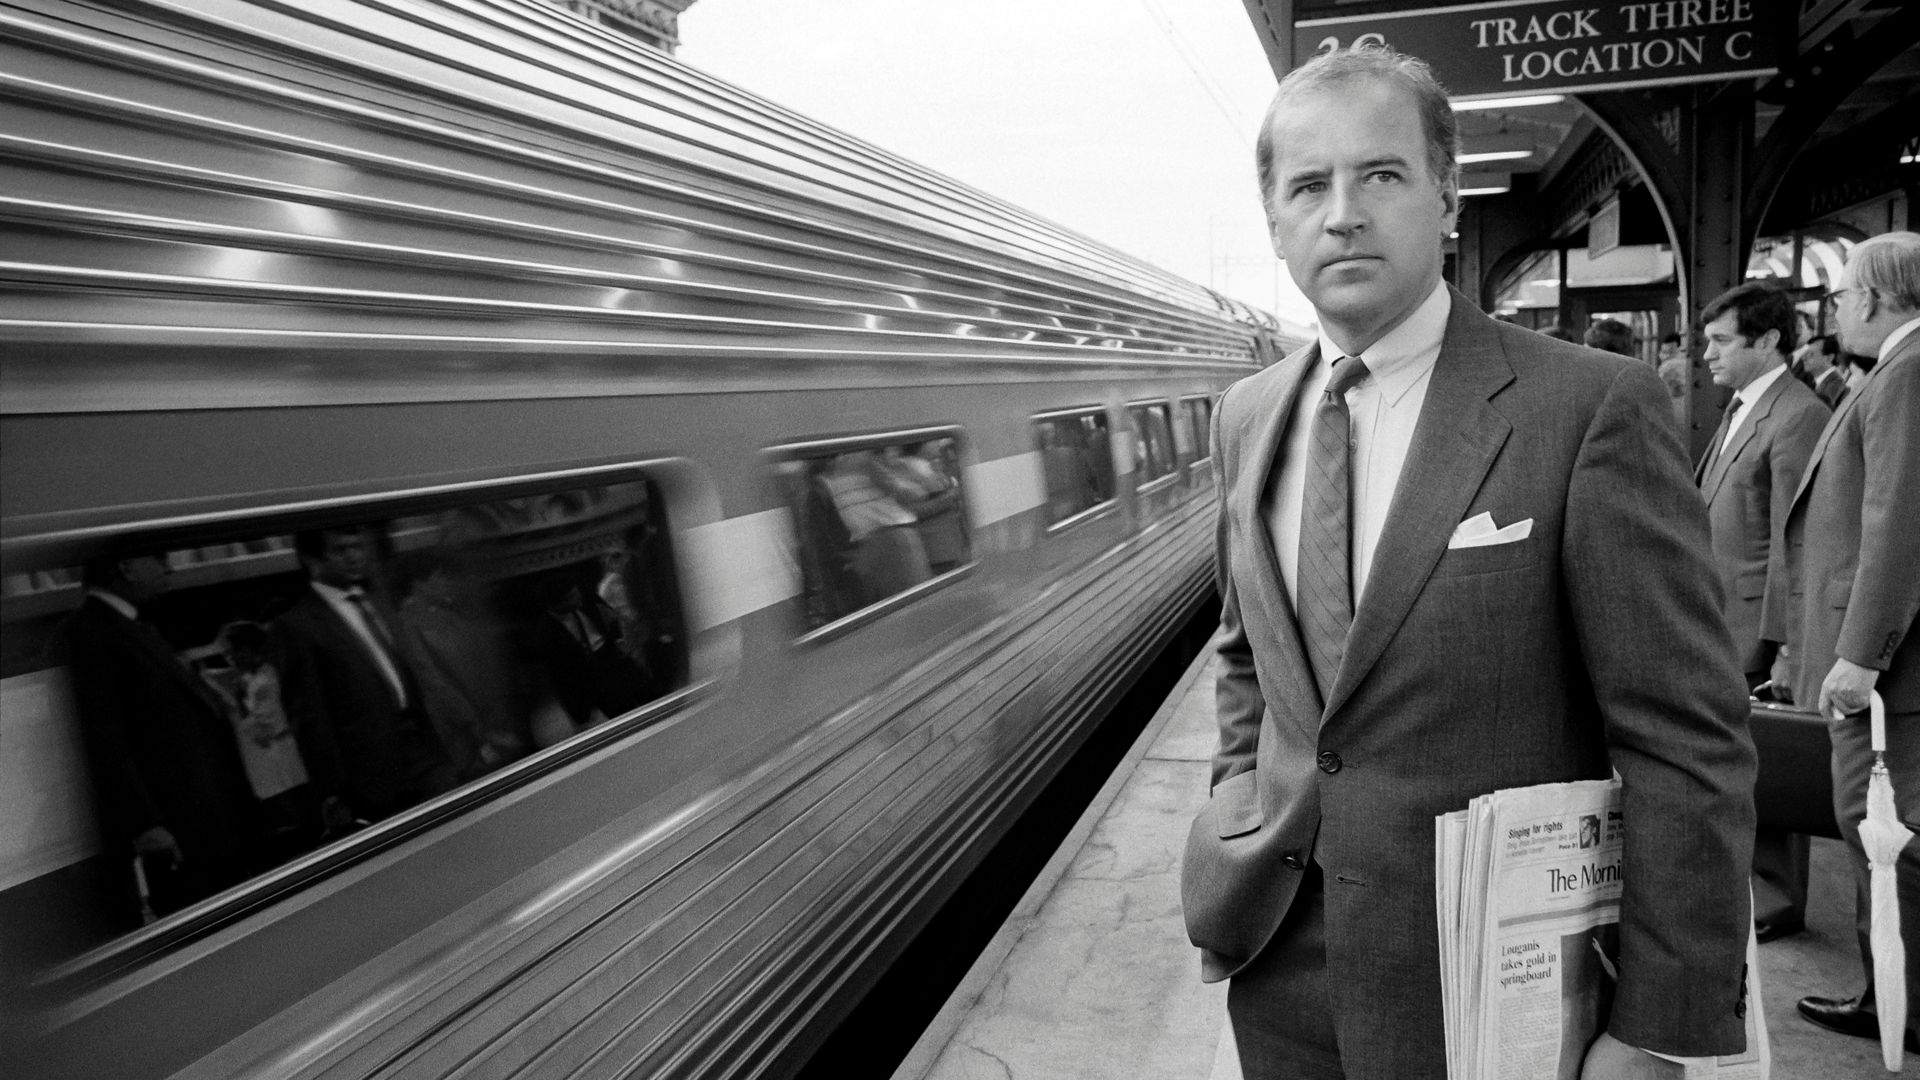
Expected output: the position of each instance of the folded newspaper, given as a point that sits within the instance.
(1529, 905)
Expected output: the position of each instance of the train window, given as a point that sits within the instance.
(1077, 458)
(1153, 455)
(1200, 416)
(198, 711)
(876, 518)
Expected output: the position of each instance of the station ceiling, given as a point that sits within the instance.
(1827, 33)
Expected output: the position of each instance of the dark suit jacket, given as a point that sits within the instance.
(1853, 537)
(1596, 643)
(160, 751)
(358, 744)
(584, 679)
(1747, 491)
(1830, 387)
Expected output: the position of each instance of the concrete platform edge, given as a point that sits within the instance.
(926, 1050)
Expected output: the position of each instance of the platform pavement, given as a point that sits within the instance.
(1092, 977)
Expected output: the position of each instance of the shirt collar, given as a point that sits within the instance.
(1751, 392)
(118, 603)
(333, 595)
(1899, 334)
(1408, 351)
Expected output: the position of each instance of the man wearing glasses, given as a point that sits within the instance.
(1853, 539)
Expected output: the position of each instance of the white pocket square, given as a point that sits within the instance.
(1478, 531)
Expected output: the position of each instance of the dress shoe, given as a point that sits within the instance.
(1846, 1016)
(1764, 932)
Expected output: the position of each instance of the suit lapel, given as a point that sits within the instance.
(158, 655)
(1454, 445)
(1820, 448)
(1255, 498)
(1907, 350)
(1762, 409)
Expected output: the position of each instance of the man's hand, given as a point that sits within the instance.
(1782, 676)
(159, 841)
(1610, 1059)
(1846, 688)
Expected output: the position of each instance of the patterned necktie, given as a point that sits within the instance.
(1324, 589)
(1719, 439)
(372, 618)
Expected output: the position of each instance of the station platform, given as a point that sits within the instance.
(1092, 977)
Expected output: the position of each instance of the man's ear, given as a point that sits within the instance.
(1450, 203)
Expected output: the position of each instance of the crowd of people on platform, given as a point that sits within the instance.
(1810, 486)
(373, 681)
(874, 522)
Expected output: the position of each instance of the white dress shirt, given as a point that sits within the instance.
(340, 600)
(1744, 398)
(1383, 410)
(117, 602)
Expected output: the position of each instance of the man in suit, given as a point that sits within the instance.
(1853, 537)
(350, 689)
(1826, 369)
(168, 781)
(1422, 602)
(1747, 477)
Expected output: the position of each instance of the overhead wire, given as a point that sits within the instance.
(1221, 101)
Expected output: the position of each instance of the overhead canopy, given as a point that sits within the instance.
(1722, 130)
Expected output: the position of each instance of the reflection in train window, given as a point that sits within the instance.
(194, 715)
(874, 519)
(1153, 441)
(1076, 454)
(1200, 414)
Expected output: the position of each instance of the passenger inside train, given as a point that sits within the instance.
(245, 698)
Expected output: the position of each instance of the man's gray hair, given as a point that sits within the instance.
(1889, 264)
(1334, 67)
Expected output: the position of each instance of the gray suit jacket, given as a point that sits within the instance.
(1747, 491)
(1596, 643)
(1853, 538)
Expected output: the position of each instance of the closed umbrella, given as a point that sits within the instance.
(1883, 836)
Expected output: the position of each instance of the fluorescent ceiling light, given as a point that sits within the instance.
(1509, 102)
(1465, 191)
(1479, 156)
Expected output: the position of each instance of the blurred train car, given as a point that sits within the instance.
(743, 525)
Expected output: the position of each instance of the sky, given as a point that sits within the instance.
(1130, 121)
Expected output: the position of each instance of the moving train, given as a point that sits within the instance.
(725, 529)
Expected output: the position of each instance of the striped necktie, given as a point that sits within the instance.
(1324, 589)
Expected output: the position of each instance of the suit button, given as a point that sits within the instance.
(1293, 862)
(1329, 762)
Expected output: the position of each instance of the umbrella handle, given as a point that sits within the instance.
(1877, 715)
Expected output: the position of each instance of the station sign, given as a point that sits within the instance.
(1507, 48)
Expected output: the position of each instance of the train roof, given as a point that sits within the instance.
(223, 203)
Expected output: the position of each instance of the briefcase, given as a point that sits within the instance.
(1795, 789)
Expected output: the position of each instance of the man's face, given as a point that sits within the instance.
(1354, 211)
(1733, 359)
(143, 578)
(1850, 316)
(345, 561)
(1814, 361)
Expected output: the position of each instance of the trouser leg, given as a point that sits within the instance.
(1779, 877)
(1281, 1004)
